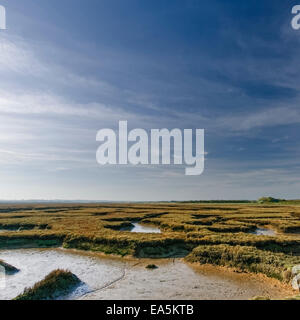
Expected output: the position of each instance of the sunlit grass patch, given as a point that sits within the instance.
(246, 258)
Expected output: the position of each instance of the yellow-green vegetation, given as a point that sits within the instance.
(9, 269)
(55, 284)
(185, 227)
(245, 258)
(294, 298)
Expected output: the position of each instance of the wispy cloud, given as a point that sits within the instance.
(172, 68)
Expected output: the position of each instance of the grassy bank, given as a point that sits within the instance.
(55, 284)
(244, 258)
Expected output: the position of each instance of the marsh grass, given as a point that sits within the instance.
(55, 284)
(244, 258)
(184, 226)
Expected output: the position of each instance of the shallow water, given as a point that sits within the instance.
(35, 264)
(264, 232)
(141, 228)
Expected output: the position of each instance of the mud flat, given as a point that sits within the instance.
(115, 278)
(35, 264)
(176, 280)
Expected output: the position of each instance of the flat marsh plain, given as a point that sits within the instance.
(220, 234)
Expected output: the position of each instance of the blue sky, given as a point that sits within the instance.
(71, 67)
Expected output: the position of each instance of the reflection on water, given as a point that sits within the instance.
(264, 232)
(141, 228)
